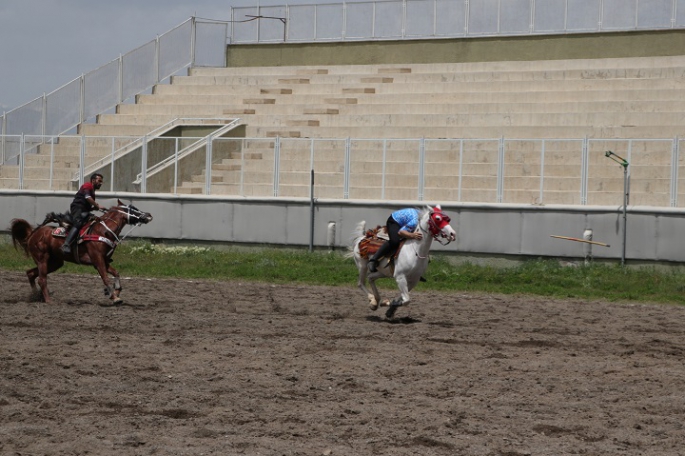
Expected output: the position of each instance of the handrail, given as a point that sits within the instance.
(185, 151)
(152, 135)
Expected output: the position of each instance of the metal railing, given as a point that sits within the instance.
(495, 170)
(417, 19)
(195, 42)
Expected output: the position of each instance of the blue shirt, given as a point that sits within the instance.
(408, 219)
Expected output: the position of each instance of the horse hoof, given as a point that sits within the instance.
(385, 303)
(373, 306)
(117, 301)
(391, 312)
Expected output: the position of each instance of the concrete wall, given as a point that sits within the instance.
(523, 48)
(483, 230)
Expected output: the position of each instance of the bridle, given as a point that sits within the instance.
(131, 212)
(435, 230)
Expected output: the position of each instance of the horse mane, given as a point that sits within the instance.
(427, 209)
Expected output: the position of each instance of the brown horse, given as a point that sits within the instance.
(95, 246)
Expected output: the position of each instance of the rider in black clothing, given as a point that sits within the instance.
(83, 203)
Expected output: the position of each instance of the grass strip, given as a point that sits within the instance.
(540, 277)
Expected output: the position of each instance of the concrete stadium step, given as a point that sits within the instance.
(116, 130)
(320, 166)
(511, 119)
(36, 184)
(148, 119)
(484, 96)
(58, 174)
(362, 89)
(71, 161)
(524, 105)
(465, 67)
(252, 83)
(248, 190)
(511, 132)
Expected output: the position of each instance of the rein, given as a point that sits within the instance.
(416, 252)
(117, 240)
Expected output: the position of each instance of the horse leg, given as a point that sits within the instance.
(117, 282)
(32, 274)
(42, 270)
(102, 268)
(45, 264)
(402, 300)
(376, 293)
(374, 298)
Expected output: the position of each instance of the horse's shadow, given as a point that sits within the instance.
(124, 304)
(106, 304)
(393, 321)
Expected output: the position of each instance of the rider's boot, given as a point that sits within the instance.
(382, 250)
(66, 247)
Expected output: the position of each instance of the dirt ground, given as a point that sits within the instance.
(231, 368)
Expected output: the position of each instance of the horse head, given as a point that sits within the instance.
(130, 214)
(439, 225)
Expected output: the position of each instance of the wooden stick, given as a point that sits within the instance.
(580, 240)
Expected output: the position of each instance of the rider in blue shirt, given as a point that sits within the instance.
(400, 224)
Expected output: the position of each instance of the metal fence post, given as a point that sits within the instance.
(193, 38)
(111, 166)
(22, 148)
(346, 183)
(422, 168)
(176, 166)
(82, 104)
(500, 171)
(143, 167)
(385, 153)
(277, 164)
(82, 160)
(3, 130)
(208, 165)
(542, 172)
(624, 163)
(311, 211)
(675, 158)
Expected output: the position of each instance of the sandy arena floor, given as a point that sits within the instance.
(231, 368)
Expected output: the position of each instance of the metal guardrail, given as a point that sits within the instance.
(345, 167)
(151, 136)
(422, 19)
(194, 147)
(195, 42)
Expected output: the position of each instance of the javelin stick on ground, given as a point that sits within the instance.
(580, 240)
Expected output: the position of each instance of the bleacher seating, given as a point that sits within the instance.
(556, 100)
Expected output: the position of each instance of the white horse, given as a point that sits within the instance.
(411, 262)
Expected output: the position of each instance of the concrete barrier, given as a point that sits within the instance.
(486, 230)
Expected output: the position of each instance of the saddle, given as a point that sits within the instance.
(373, 239)
(64, 222)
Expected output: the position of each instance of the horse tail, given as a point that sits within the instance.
(21, 231)
(357, 235)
